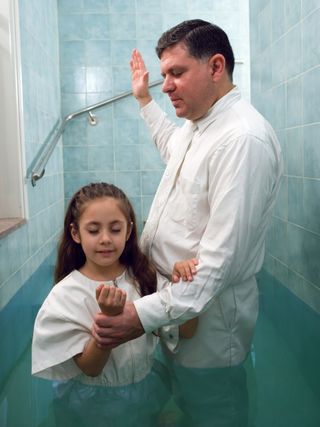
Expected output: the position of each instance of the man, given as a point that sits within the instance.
(213, 203)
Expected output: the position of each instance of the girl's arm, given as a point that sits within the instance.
(185, 270)
(92, 360)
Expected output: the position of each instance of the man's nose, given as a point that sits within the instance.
(167, 85)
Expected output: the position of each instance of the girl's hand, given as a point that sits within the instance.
(111, 300)
(184, 270)
(140, 78)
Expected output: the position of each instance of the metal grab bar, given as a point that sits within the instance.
(47, 148)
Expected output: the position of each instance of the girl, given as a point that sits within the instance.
(99, 266)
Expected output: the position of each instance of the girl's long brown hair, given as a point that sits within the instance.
(70, 254)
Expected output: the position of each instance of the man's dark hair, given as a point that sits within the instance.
(201, 38)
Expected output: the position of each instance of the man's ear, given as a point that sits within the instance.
(217, 64)
(74, 233)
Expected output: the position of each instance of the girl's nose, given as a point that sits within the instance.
(105, 237)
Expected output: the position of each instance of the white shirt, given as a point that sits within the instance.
(213, 203)
(63, 327)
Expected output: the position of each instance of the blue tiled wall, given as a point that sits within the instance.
(96, 41)
(285, 77)
(23, 250)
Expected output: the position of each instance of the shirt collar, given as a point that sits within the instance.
(220, 106)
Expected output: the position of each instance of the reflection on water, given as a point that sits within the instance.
(280, 388)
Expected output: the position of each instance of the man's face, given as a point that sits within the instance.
(187, 81)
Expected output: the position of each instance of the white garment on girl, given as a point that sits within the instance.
(63, 327)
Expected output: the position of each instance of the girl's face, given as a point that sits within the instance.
(102, 232)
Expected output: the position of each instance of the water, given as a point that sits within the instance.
(283, 376)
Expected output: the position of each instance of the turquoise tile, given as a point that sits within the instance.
(75, 132)
(127, 158)
(178, 6)
(74, 181)
(146, 205)
(102, 133)
(121, 77)
(294, 104)
(292, 12)
(72, 53)
(127, 108)
(265, 70)
(311, 152)
(100, 158)
(294, 149)
(310, 99)
(310, 41)
(277, 239)
(129, 182)
(72, 102)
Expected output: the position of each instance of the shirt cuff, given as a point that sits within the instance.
(152, 312)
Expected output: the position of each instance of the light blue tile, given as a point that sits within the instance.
(123, 6)
(149, 25)
(72, 102)
(294, 148)
(281, 206)
(292, 12)
(99, 79)
(72, 54)
(309, 6)
(123, 26)
(71, 27)
(293, 56)
(97, 6)
(102, 133)
(311, 204)
(129, 182)
(121, 51)
(311, 90)
(70, 6)
(265, 70)
(121, 77)
(174, 6)
(73, 79)
(278, 65)
(75, 159)
(100, 158)
(310, 41)
(74, 181)
(127, 108)
(149, 6)
(127, 158)
(278, 110)
(75, 132)
(295, 201)
(150, 182)
(98, 53)
(278, 19)
(277, 239)
(146, 205)
(150, 158)
(126, 131)
(97, 26)
(294, 105)
(311, 152)
(265, 29)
